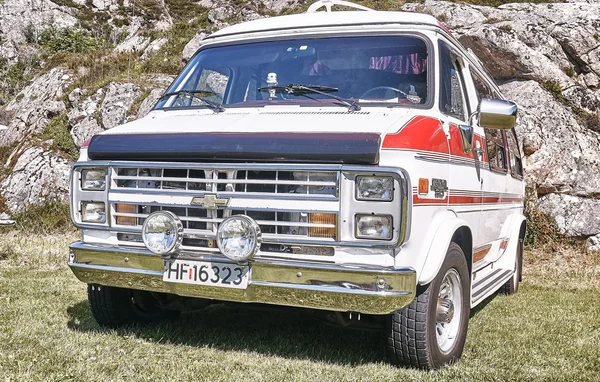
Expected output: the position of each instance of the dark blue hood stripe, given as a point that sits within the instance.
(347, 148)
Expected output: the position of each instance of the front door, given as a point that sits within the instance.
(464, 186)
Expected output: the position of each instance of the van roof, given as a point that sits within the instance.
(326, 19)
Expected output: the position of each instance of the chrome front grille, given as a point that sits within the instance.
(290, 205)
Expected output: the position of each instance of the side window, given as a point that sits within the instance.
(483, 90)
(495, 150)
(516, 165)
(452, 97)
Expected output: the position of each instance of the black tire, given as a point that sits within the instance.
(512, 285)
(114, 307)
(411, 336)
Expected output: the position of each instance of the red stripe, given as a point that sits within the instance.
(466, 200)
(420, 133)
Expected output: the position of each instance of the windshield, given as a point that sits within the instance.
(365, 70)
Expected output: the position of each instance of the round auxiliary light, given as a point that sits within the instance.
(239, 237)
(162, 232)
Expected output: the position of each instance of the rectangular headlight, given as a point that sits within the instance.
(93, 212)
(93, 179)
(377, 227)
(374, 188)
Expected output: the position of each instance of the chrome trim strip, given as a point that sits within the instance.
(224, 194)
(330, 289)
(107, 268)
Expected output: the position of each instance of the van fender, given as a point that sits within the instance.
(439, 237)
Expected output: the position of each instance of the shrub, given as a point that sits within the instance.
(70, 39)
(30, 33)
(58, 131)
(54, 216)
(99, 67)
(554, 88)
(15, 75)
(569, 71)
(592, 122)
(541, 228)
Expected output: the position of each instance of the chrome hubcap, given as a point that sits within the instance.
(448, 310)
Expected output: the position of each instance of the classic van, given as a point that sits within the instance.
(360, 164)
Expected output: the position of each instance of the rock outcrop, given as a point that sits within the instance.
(103, 110)
(38, 176)
(19, 15)
(36, 105)
(562, 155)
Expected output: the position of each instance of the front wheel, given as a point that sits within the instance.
(113, 307)
(431, 331)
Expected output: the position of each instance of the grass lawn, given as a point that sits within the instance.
(550, 330)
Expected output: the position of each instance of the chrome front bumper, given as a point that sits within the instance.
(317, 286)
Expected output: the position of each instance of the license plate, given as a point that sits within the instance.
(207, 273)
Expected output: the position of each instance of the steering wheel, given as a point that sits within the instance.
(383, 88)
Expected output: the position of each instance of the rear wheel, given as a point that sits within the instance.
(430, 332)
(512, 285)
(113, 307)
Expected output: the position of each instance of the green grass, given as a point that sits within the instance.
(48, 219)
(548, 331)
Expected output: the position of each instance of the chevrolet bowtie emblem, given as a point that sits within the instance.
(209, 201)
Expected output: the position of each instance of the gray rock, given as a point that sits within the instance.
(149, 102)
(83, 117)
(222, 12)
(562, 156)
(17, 15)
(135, 43)
(84, 130)
(36, 105)
(593, 243)
(574, 216)
(154, 47)
(38, 176)
(277, 6)
(102, 110)
(117, 101)
(192, 46)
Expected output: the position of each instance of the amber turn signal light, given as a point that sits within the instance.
(126, 209)
(322, 231)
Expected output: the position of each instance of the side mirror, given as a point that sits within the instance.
(497, 114)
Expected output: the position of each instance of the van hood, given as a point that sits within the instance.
(269, 134)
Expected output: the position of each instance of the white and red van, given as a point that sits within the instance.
(362, 164)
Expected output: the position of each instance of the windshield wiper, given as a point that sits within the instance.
(216, 107)
(303, 90)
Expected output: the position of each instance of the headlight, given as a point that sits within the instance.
(374, 188)
(162, 232)
(378, 227)
(239, 237)
(93, 212)
(93, 179)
